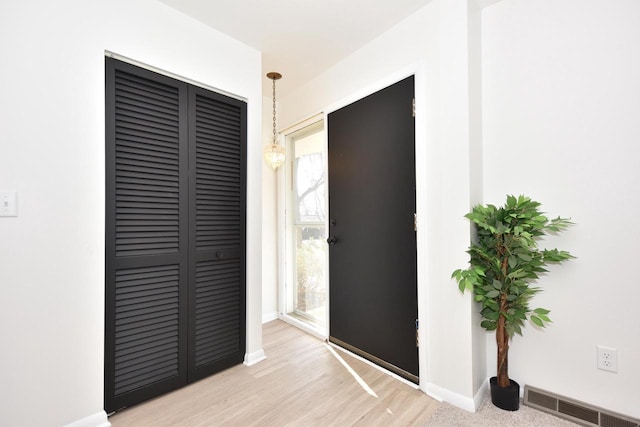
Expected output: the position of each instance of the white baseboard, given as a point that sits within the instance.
(268, 317)
(481, 393)
(99, 419)
(251, 359)
(445, 395)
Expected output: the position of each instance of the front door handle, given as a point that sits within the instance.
(332, 240)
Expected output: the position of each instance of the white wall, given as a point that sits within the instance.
(561, 108)
(555, 81)
(52, 153)
(474, 36)
(434, 44)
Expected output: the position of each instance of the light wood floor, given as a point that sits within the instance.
(301, 383)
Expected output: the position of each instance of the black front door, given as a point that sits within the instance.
(372, 240)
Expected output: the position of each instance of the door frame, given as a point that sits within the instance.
(419, 71)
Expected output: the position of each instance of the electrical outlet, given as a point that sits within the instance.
(607, 358)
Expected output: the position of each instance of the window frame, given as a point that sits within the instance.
(288, 222)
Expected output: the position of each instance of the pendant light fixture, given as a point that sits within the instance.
(274, 153)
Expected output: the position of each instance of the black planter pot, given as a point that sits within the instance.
(507, 398)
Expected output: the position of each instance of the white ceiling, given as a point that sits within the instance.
(299, 38)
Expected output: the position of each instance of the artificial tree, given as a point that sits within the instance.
(505, 260)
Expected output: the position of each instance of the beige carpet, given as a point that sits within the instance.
(489, 416)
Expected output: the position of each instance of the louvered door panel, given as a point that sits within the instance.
(146, 326)
(218, 172)
(217, 311)
(147, 235)
(217, 151)
(147, 167)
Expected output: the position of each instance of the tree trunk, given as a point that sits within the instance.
(502, 339)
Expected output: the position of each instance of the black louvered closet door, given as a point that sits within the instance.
(175, 221)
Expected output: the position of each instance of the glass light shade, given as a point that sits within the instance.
(274, 155)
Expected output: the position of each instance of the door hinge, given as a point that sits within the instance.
(415, 222)
(417, 334)
(413, 107)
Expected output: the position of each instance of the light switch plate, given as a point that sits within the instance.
(8, 203)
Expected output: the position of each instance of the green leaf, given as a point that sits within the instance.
(497, 284)
(511, 329)
(489, 325)
(513, 261)
(541, 311)
(492, 294)
(525, 257)
(491, 304)
(517, 329)
(536, 320)
(544, 318)
(490, 314)
(517, 274)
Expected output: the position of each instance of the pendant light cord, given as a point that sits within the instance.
(274, 112)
